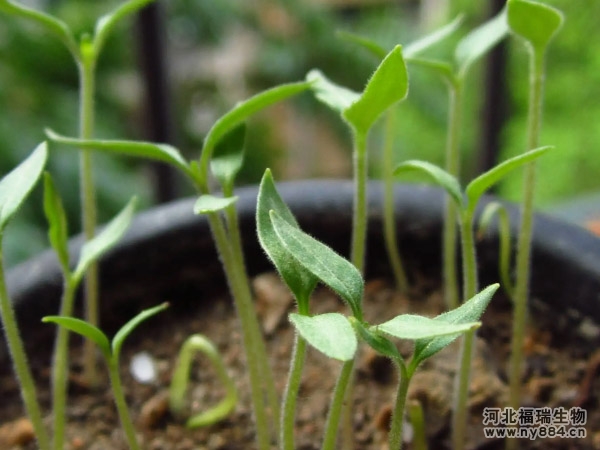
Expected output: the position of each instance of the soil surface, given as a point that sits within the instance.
(563, 363)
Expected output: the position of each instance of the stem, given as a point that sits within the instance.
(417, 420)
(87, 66)
(395, 439)
(461, 392)
(126, 423)
(291, 393)
(337, 402)
(61, 365)
(20, 363)
(453, 168)
(359, 224)
(523, 267)
(389, 225)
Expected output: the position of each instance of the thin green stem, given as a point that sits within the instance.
(389, 224)
(337, 404)
(417, 420)
(20, 363)
(291, 393)
(117, 388)
(61, 365)
(521, 292)
(87, 67)
(453, 168)
(395, 438)
(359, 225)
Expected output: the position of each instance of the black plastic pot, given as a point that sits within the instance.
(168, 254)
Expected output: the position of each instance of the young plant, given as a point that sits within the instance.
(334, 334)
(536, 24)
(85, 53)
(466, 203)
(181, 375)
(91, 251)
(469, 49)
(387, 160)
(222, 153)
(111, 352)
(14, 189)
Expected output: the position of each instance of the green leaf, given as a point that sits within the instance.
(93, 249)
(441, 68)
(18, 183)
(240, 113)
(209, 203)
(126, 329)
(157, 152)
(435, 174)
(368, 44)
(228, 156)
(479, 41)
(387, 86)
(300, 281)
(333, 270)
(57, 223)
(428, 41)
(336, 97)
(535, 22)
(330, 333)
(483, 182)
(376, 341)
(413, 327)
(470, 311)
(84, 329)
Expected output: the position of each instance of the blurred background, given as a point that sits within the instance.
(169, 73)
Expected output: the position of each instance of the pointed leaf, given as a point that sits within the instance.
(387, 86)
(480, 41)
(413, 327)
(93, 249)
(428, 41)
(376, 341)
(441, 68)
(333, 270)
(535, 22)
(228, 156)
(468, 312)
(300, 281)
(368, 44)
(434, 174)
(336, 97)
(126, 329)
(57, 222)
(18, 183)
(483, 182)
(85, 329)
(209, 203)
(330, 333)
(156, 152)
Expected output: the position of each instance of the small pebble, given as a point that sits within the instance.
(17, 432)
(154, 410)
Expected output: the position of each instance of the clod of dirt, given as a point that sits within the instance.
(17, 432)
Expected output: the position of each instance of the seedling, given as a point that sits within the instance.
(334, 334)
(181, 375)
(85, 52)
(111, 352)
(466, 203)
(91, 251)
(536, 24)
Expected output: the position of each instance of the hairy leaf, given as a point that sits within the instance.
(57, 222)
(126, 329)
(434, 174)
(413, 327)
(330, 333)
(336, 97)
(84, 329)
(209, 203)
(228, 156)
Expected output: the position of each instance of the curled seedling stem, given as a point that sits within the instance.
(181, 376)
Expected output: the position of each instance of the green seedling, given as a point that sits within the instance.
(222, 154)
(387, 161)
(536, 24)
(111, 352)
(469, 49)
(91, 251)
(417, 420)
(466, 203)
(86, 53)
(336, 335)
(180, 379)
(14, 189)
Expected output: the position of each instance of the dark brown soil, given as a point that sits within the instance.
(561, 370)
